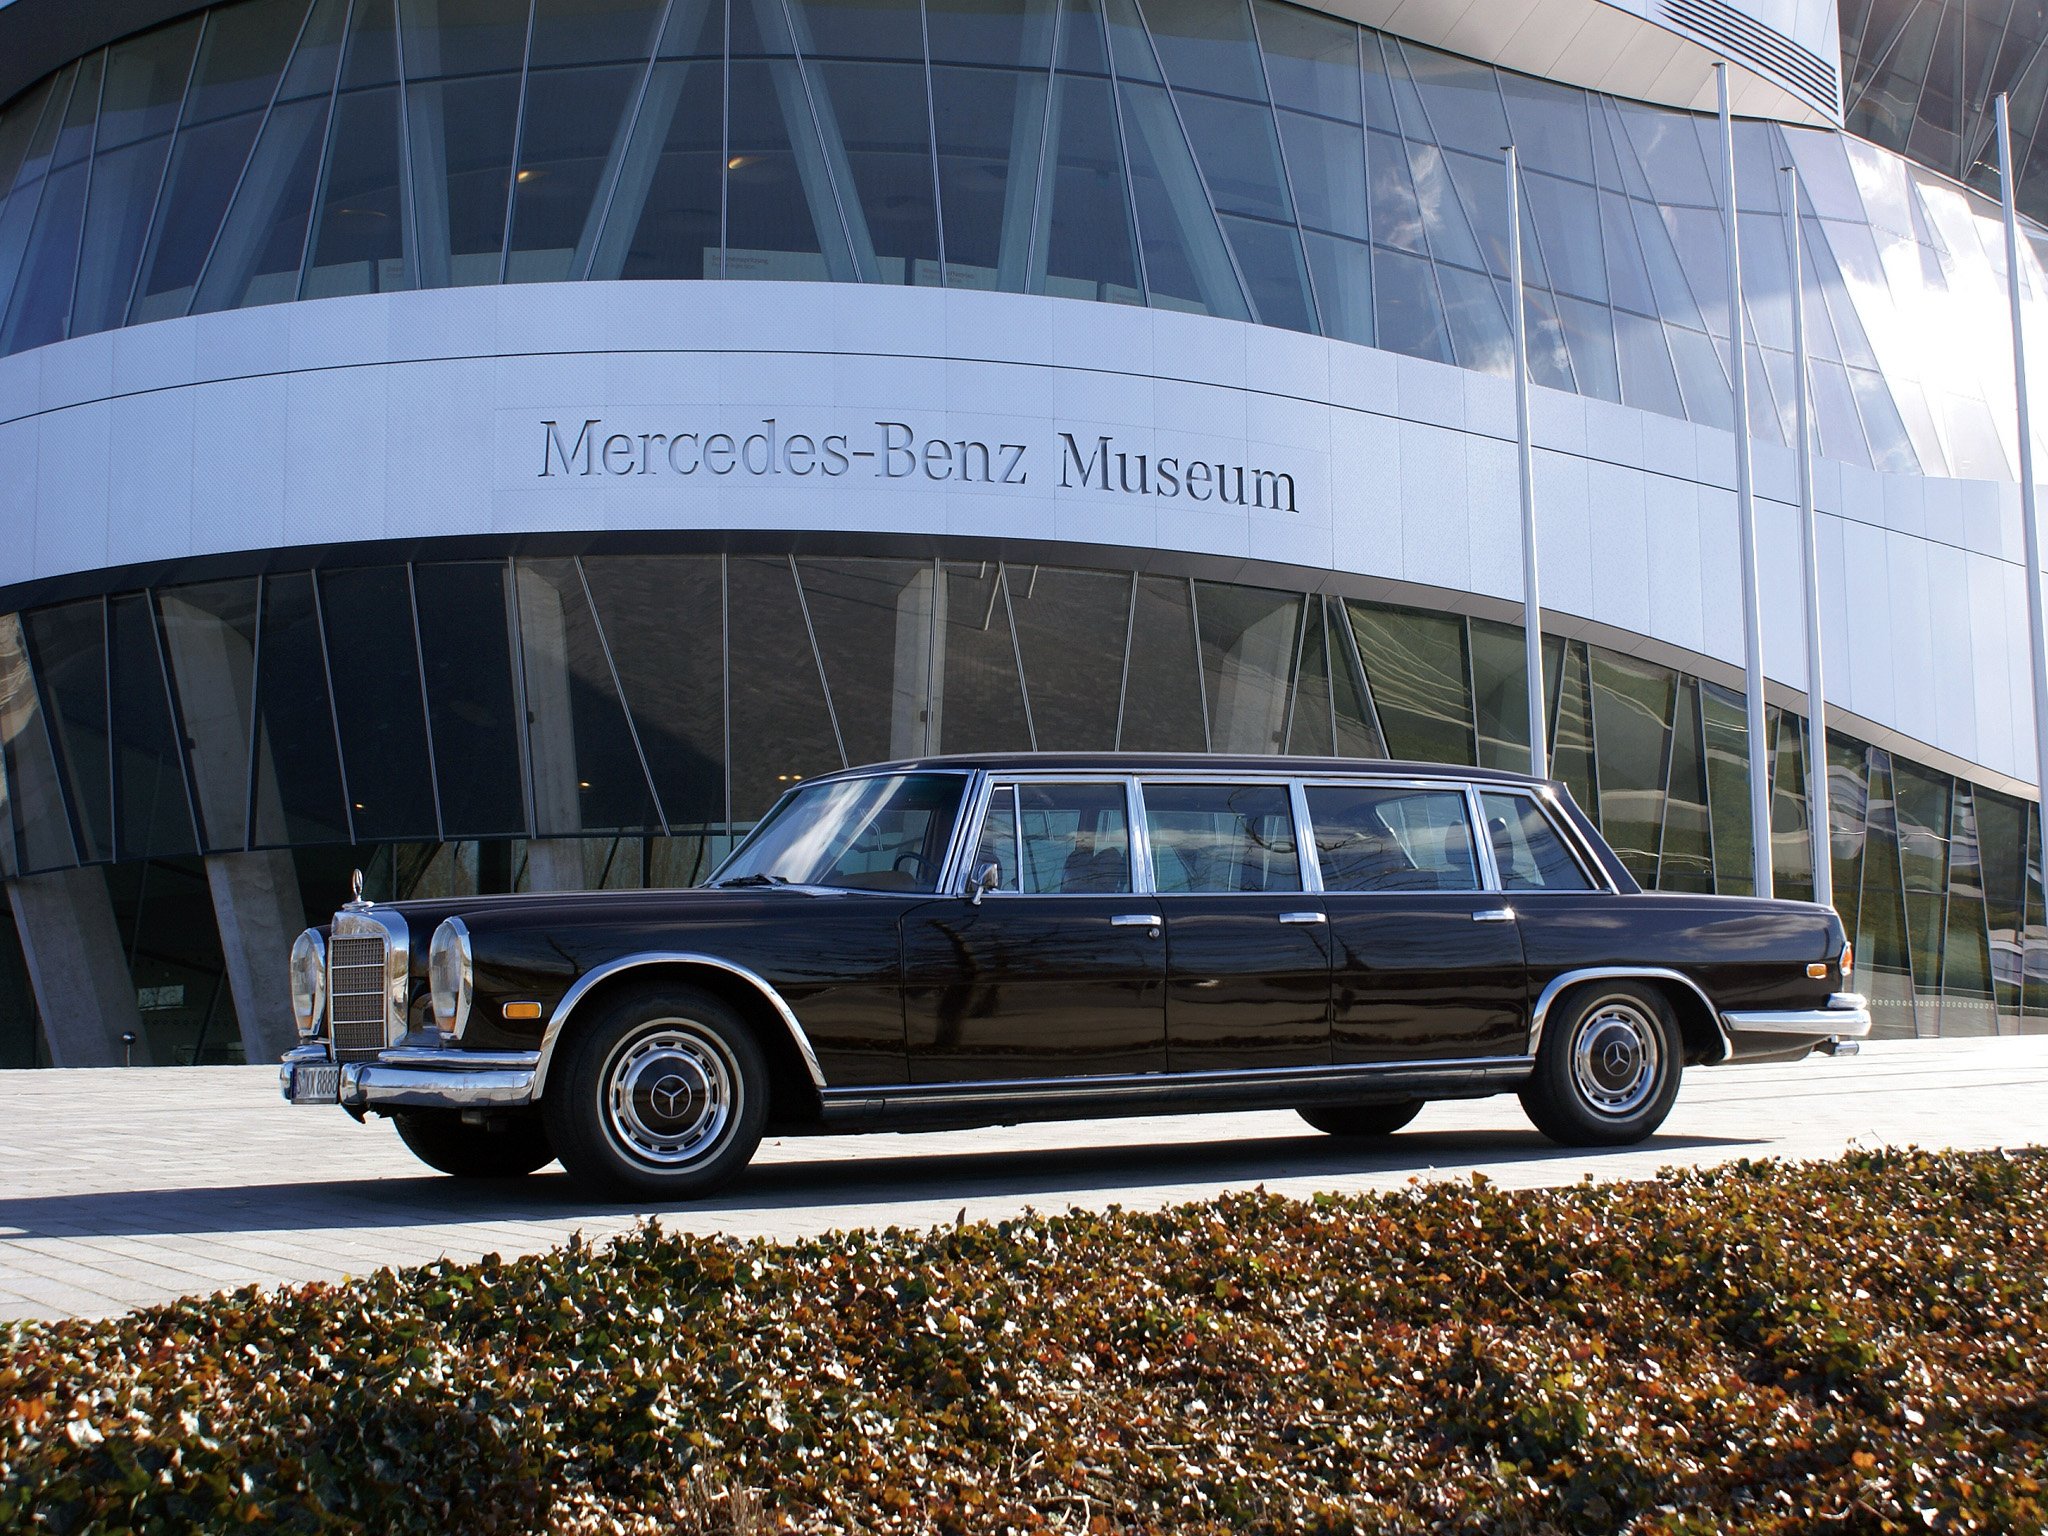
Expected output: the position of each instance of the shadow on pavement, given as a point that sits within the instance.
(821, 1184)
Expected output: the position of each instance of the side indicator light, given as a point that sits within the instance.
(1817, 971)
(522, 1010)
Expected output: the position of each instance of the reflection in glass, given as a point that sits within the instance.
(877, 623)
(379, 702)
(1071, 631)
(68, 648)
(574, 121)
(297, 793)
(783, 730)
(1248, 642)
(152, 814)
(472, 709)
(38, 831)
(1217, 838)
(1421, 681)
(980, 705)
(1163, 709)
(210, 640)
(1632, 703)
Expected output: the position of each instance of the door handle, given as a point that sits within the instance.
(1302, 917)
(1494, 915)
(1135, 920)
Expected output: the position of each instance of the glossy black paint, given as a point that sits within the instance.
(1244, 989)
(1418, 979)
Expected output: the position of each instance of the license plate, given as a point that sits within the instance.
(316, 1082)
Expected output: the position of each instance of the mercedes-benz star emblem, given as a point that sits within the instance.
(1616, 1057)
(670, 1096)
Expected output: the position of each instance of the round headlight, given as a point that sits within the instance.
(448, 974)
(309, 982)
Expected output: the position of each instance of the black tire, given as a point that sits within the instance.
(661, 1093)
(1362, 1121)
(510, 1148)
(1608, 1069)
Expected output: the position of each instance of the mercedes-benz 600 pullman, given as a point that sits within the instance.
(963, 941)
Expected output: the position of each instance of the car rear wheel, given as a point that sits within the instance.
(507, 1147)
(662, 1094)
(1608, 1069)
(1362, 1121)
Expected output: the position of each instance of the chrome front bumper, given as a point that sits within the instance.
(1780, 1032)
(408, 1077)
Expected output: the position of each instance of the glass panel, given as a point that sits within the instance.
(1269, 256)
(1421, 681)
(592, 31)
(1248, 639)
(1589, 333)
(38, 826)
(782, 731)
(1571, 721)
(1632, 738)
(782, 218)
(1791, 848)
(1924, 812)
(1311, 59)
(21, 1034)
(1016, 32)
(1647, 380)
(859, 29)
(1326, 162)
(1500, 694)
(1396, 218)
(205, 164)
(372, 54)
(446, 37)
(584, 762)
(1374, 838)
(297, 789)
(18, 126)
(1221, 838)
(68, 649)
(145, 84)
(1443, 215)
(41, 305)
(1687, 860)
(981, 707)
(663, 619)
(1162, 690)
(1071, 628)
(1527, 849)
(1358, 727)
(163, 913)
(472, 707)
(257, 258)
(1967, 1005)
(884, 121)
(239, 58)
(1076, 842)
(359, 224)
(1186, 265)
(573, 118)
(876, 629)
(883, 833)
(1883, 964)
(1477, 317)
(1406, 317)
(378, 700)
(990, 126)
(1461, 100)
(2001, 838)
(1207, 45)
(124, 186)
(1311, 719)
(462, 133)
(1082, 46)
(210, 637)
(1848, 824)
(152, 816)
(1343, 281)
(1239, 155)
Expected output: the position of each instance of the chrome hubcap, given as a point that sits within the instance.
(1616, 1057)
(671, 1093)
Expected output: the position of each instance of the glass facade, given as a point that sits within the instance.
(331, 712)
(1243, 158)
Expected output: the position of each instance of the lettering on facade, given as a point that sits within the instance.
(897, 451)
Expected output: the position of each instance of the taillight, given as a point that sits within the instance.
(1848, 959)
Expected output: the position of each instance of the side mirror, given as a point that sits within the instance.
(986, 879)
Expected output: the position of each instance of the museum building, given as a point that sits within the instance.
(503, 444)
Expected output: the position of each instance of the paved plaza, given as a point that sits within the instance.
(120, 1189)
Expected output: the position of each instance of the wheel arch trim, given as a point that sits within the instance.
(673, 959)
(1560, 984)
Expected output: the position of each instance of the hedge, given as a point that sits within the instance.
(1852, 1346)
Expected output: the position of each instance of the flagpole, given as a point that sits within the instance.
(1817, 812)
(2030, 522)
(1532, 600)
(1745, 517)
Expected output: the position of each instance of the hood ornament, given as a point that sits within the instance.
(356, 902)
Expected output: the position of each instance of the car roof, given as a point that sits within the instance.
(1186, 762)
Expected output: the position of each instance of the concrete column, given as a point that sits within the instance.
(78, 967)
(915, 707)
(257, 905)
(555, 864)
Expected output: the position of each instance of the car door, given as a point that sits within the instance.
(1059, 969)
(1247, 947)
(1427, 963)
(1566, 918)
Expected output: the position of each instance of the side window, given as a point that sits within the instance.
(1531, 855)
(1221, 837)
(1057, 839)
(1384, 838)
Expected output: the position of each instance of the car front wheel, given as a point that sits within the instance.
(1608, 1069)
(1362, 1121)
(505, 1148)
(662, 1094)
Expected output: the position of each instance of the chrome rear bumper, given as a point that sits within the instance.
(1794, 1032)
(416, 1078)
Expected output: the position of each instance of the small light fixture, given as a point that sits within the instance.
(1817, 970)
(583, 783)
(525, 176)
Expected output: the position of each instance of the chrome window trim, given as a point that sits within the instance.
(1546, 795)
(1305, 839)
(1185, 776)
(1542, 797)
(1482, 838)
(1558, 984)
(580, 988)
(1378, 781)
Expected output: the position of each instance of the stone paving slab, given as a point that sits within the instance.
(120, 1188)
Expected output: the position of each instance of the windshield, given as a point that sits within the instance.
(886, 833)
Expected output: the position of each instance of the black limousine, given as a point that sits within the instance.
(965, 941)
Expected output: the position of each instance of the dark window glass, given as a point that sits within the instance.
(1186, 264)
(374, 662)
(1081, 45)
(372, 54)
(1162, 692)
(1071, 628)
(664, 620)
(297, 790)
(41, 305)
(459, 37)
(21, 1031)
(1500, 695)
(981, 707)
(1383, 838)
(1326, 163)
(1848, 823)
(573, 118)
(210, 638)
(1221, 838)
(1239, 155)
(81, 117)
(1248, 642)
(1014, 32)
(1686, 862)
(1884, 966)
(1269, 255)
(1358, 727)
(1791, 848)
(145, 83)
(884, 121)
(592, 31)
(17, 127)
(1075, 841)
(989, 127)
(1571, 734)
(1084, 245)
(2001, 838)
(358, 242)
(1923, 813)
(859, 29)
(205, 164)
(257, 258)
(124, 185)
(68, 647)
(1420, 681)
(1311, 59)
(664, 217)
(782, 217)
(38, 826)
(1632, 703)
(1130, 49)
(1527, 849)
(782, 729)
(884, 833)
(239, 58)
(163, 912)
(1207, 45)
(462, 174)
(318, 52)
(153, 817)
(1311, 715)
(875, 629)
(42, 143)
(472, 710)
(584, 763)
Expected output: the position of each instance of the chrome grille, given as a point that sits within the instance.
(358, 997)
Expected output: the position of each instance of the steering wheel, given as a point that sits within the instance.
(925, 869)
